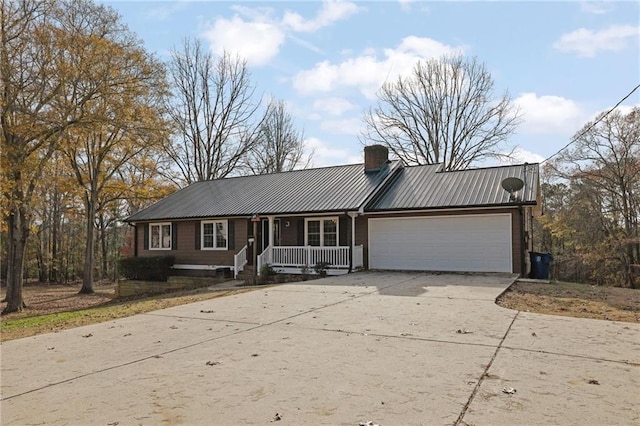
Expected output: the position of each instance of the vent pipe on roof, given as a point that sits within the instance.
(376, 158)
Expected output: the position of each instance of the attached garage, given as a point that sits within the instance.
(463, 243)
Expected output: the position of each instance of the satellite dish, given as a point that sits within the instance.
(511, 185)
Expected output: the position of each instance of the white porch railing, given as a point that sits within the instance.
(239, 260)
(294, 256)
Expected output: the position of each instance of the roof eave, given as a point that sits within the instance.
(449, 207)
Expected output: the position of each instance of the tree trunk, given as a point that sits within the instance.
(17, 241)
(104, 248)
(40, 257)
(54, 275)
(87, 276)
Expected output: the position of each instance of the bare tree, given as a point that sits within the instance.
(126, 111)
(279, 146)
(443, 112)
(602, 167)
(213, 110)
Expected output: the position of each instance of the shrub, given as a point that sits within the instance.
(154, 268)
(266, 272)
(321, 268)
(305, 272)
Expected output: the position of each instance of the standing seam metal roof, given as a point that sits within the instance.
(331, 189)
(424, 187)
(345, 188)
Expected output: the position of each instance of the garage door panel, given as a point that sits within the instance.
(479, 243)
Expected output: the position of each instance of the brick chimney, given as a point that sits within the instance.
(376, 157)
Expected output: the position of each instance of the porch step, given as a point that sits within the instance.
(246, 273)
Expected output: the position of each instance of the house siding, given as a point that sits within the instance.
(362, 237)
(185, 250)
(289, 234)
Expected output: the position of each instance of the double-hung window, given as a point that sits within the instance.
(160, 236)
(214, 235)
(321, 232)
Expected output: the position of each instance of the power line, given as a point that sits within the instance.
(575, 138)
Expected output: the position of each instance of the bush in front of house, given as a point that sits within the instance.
(266, 273)
(321, 268)
(153, 268)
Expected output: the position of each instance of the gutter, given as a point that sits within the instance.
(523, 262)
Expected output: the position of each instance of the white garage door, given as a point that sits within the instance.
(473, 243)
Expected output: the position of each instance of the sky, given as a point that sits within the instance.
(562, 63)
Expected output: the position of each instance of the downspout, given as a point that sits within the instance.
(523, 263)
(523, 248)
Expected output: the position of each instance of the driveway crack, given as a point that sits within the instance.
(484, 373)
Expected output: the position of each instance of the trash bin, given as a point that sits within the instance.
(540, 265)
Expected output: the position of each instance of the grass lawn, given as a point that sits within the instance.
(53, 308)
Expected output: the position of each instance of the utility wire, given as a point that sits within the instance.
(575, 138)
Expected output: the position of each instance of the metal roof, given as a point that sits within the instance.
(425, 187)
(329, 189)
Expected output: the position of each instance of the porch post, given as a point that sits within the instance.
(271, 222)
(353, 240)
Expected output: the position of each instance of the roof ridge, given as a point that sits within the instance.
(504, 166)
(281, 173)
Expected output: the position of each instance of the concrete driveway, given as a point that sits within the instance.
(390, 348)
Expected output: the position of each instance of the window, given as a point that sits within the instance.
(214, 235)
(321, 232)
(159, 236)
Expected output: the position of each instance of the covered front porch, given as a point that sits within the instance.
(302, 244)
(298, 260)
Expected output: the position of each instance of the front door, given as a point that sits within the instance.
(265, 233)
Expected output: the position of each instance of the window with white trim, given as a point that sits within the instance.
(160, 236)
(214, 235)
(321, 232)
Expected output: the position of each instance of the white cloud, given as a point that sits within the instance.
(326, 155)
(166, 10)
(596, 7)
(625, 109)
(347, 126)
(306, 44)
(367, 72)
(333, 106)
(406, 4)
(519, 156)
(587, 43)
(257, 35)
(549, 114)
(257, 41)
(331, 11)
(254, 13)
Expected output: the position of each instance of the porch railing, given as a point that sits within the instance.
(294, 256)
(239, 261)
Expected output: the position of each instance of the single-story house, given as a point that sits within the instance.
(377, 215)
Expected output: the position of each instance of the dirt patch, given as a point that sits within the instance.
(51, 308)
(574, 300)
(42, 299)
